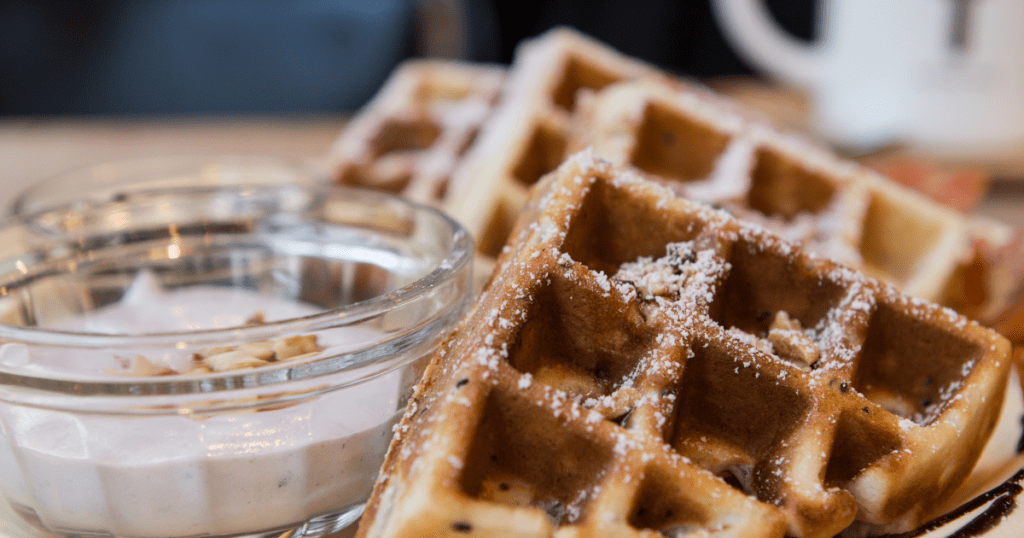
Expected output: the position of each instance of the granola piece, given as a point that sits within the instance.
(294, 347)
(232, 360)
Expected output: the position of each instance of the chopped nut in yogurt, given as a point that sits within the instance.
(229, 358)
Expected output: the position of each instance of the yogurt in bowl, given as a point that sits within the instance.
(222, 361)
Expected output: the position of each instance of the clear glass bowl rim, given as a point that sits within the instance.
(456, 261)
(110, 174)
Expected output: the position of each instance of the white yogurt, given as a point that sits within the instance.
(173, 475)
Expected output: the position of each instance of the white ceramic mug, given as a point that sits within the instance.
(946, 76)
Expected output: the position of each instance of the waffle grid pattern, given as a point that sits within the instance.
(411, 136)
(646, 366)
(419, 137)
(529, 133)
(717, 155)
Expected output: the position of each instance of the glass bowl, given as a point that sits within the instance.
(216, 359)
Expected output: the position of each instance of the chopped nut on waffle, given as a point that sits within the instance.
(643, 365)
(411, 136)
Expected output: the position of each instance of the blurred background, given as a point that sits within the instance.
(83, 82)
(189, 57)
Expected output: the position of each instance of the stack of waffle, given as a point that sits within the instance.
(473, 138)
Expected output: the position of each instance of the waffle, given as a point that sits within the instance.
(409, 138)
(715, 153)
(418, 138)
(528, 133)
(720, 382)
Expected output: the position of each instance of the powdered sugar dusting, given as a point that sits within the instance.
(684, 274)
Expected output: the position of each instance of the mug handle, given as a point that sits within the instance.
(758, 38)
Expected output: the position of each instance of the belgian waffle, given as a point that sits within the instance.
(410, 137)
(715, 153)
(644, 365)
(788, 184)
(527, 136)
